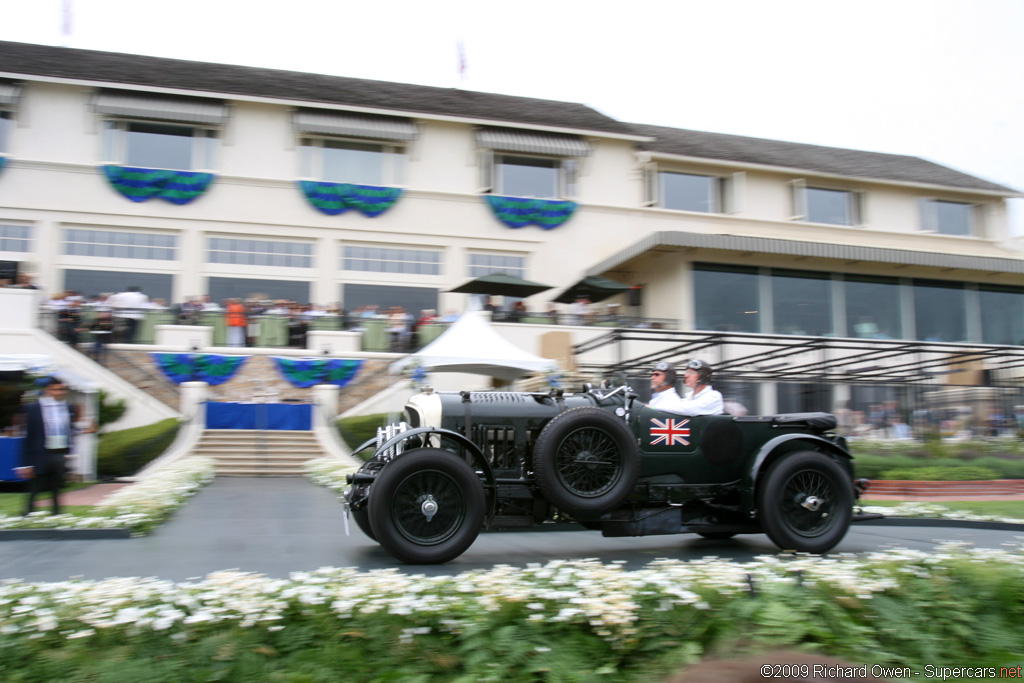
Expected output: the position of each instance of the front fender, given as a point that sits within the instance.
(478, 458)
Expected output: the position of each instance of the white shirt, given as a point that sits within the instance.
(57, 427)
(705, 402)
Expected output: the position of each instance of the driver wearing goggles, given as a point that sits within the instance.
(700, 398)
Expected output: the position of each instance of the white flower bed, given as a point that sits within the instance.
(138, 507)
(329, 472)
(607, 599)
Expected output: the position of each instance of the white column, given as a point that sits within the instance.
(193, 403)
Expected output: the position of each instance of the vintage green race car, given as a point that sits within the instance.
(467, 461)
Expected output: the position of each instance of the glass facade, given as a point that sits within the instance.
(1002, 315)
(940, 311)
(872, 307)
(727, 298)
(802, 302)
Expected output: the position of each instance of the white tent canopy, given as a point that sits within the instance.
(471, 345)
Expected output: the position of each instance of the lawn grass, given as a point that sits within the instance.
(13, 504)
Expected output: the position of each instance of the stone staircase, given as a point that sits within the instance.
(257, 453)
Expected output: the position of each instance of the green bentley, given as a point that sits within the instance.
(462, 462)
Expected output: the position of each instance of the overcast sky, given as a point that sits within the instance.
(938, 79)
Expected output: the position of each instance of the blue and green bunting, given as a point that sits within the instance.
(335, 198)
(516, 212)
(306, 372)
(140, 184)
(211, 368)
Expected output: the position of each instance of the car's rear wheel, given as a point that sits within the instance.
(805, 502)
(426, 506)
(586, 461)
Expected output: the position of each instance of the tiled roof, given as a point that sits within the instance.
(793, 155)
(111, 68)
(226, 79)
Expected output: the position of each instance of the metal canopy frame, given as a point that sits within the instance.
(748, 357)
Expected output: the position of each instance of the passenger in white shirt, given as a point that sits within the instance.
(700, 400)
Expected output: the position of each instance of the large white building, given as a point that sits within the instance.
(190, 178)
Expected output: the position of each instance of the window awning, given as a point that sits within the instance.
(355, 125)
(183, 109)
(9, 93)
(531, 142)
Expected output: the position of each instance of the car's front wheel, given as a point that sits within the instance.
(426, 506)
(805, 502)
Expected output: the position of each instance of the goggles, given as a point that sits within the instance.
(694, 364)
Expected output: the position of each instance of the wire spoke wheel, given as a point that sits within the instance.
(808, 503)
(805, 502)
(588, 462)
(428, 507)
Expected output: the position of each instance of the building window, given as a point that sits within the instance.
(948, 218)
(348, 161)
(479, 265)
(15, 238)
(801, 302)
(873, 307)
(940, 311)
(159, 145)
(110, 244)
(518, 176)
(687, 192)
(728, 298)
(1002, 315)
(386, 260)
(249, 252)
(824, 205)
(6, 124)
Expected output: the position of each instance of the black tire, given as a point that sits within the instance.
(362, 517)
(805, 502)
(399, 500)
(716, 535)
(586, 461)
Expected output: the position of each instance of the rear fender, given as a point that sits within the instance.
(792, 442)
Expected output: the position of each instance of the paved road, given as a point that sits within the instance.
(275, 526)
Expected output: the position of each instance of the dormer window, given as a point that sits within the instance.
(345, 147)
(9, 93)
(826, 205)
(156, 132)
(949, 218)
(533, 164)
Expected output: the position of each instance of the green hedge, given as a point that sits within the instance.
(941, 474)
(125, 452)
(355, 431)
(875, 466)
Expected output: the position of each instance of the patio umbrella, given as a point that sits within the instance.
(501, 284)
(594, 288)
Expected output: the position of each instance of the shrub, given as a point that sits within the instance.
(125, 452)
(941, 474)
(109, 410)
(355, 431)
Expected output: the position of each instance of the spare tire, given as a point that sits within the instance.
(586, 461)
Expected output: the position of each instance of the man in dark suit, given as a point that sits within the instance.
(48, 426)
